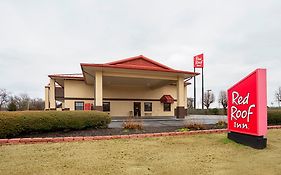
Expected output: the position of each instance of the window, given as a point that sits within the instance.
(167, 106)
(147, 106)
(106, 106)
(79, 105)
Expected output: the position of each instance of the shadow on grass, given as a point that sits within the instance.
(225, 140)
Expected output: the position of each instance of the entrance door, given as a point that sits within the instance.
(137, 109)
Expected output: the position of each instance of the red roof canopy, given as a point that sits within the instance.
(139, 63)
(167, 99)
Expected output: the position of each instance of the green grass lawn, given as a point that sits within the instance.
(199, 154)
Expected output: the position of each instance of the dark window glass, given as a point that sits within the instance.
(167, 106)
(79, 105)
(106, 106)
(147, 106)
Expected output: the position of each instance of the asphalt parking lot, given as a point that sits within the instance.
(170, 121)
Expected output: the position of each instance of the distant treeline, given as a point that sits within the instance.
(22, 102)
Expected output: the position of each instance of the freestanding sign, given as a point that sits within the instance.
(247, 110)
(198, 61)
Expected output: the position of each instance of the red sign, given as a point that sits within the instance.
(247, 110)
(198, 61)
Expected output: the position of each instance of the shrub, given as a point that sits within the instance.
(182, 130)
(274, 117)
(14, 124)
(215, 111)
(221, 124)
(12, 106)
(194, 126)
(132, 124)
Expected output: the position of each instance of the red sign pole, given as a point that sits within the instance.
(202, 89)
(199, 63)
(194, 90)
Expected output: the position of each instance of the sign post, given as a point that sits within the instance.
(199, 63)
(247, 110)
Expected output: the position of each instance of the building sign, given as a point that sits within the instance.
(199, 61)
(247, 110)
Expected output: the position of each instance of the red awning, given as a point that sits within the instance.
(167, 99)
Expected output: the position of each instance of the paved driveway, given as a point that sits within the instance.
(171, 121)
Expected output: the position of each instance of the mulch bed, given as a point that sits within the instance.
(107, 132)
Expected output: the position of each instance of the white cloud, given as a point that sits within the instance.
(38, 38)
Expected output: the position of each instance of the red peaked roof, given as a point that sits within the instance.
(138, 63)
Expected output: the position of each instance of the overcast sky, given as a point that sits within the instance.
(39, 37)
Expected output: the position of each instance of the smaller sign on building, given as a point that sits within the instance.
(247, 110)
(199, 61)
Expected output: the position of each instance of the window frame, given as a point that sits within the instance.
(151, 108)
(103, 106)
(75, 106)
(165, 109)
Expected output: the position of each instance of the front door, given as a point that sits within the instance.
(137, 109)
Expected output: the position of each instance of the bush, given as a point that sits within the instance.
(132, 124)
(214, 111)
(182, 130)
(221, 124)
(12, 106)
(274, 117)
(194, 126)
(14, 124)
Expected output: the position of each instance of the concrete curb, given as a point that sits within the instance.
(91, 138)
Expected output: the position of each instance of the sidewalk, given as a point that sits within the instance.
(169, 121)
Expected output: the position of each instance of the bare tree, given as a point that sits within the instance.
(278, 96)
(37, 104)
(190, 103)
(22, 101)
(4, 97)
(223, 99)
(209, 98)
(12, 104)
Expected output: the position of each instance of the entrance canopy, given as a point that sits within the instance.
(135, 71)
(138, 70)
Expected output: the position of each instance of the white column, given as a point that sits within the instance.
(180, 92)
(98, 91)
(180, 111)
(185, 97)
(52, 94)
(47, 100)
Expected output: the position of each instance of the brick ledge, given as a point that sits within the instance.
(90, 138)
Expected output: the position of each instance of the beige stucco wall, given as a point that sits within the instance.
(70, 103)
(138, 92)
(79, 90)
(123, 108)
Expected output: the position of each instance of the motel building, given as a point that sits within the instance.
(136, 86)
